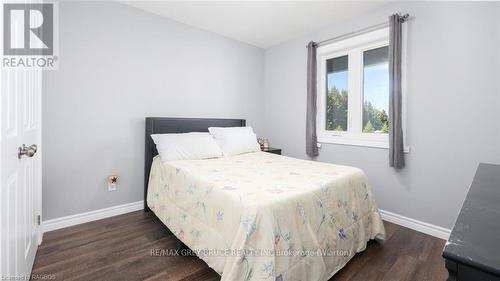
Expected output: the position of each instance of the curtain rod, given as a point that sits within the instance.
(404, 17)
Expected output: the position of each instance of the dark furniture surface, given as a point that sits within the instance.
(167, 125)
(272, 150)
(473, 250)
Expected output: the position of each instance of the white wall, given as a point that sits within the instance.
(453, 106)
(117, 66)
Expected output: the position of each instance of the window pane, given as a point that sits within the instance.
(336, 94)
(375, 90)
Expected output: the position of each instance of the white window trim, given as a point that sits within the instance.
(352, 47)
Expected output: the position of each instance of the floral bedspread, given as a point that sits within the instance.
(261, 216)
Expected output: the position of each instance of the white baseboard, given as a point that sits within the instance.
(63, 222)
(420, 226)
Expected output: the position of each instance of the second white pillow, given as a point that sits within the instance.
(235, 140)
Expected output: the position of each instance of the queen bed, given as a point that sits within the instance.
(260, 216)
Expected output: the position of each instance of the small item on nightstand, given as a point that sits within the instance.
(261, 143)
(266, 143)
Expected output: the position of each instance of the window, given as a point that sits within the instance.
(353, 90)
(376, 90)
(337, 94)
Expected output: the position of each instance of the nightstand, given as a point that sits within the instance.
(272, 150)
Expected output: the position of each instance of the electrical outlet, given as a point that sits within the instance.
(112, 182)
(111, 186)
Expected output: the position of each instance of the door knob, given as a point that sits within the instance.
(27, 150)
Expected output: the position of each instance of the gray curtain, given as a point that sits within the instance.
(396, 153)
(311, 138)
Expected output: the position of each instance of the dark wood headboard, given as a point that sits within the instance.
(166, 125)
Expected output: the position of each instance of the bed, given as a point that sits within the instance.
(261, 216)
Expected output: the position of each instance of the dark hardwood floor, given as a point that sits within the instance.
(119, 248)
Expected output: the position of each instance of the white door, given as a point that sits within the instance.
(20, 176)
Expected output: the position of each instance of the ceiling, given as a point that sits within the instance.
(260, 23)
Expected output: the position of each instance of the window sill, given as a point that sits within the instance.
(364, 142)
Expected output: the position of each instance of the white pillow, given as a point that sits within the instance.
(235, 140)
(187, 146)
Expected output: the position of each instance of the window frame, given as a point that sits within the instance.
(354, 47)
